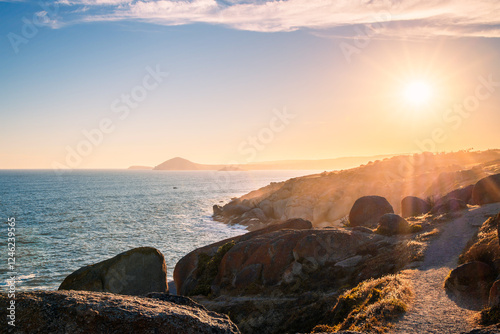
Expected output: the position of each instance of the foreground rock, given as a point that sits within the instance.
(96, 312)
(487, 190)
(135, 272)
(471, 282)
(392, 224)
(412, 206)
(186, 273)
(367, 211)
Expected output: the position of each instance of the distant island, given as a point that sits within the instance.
(181, 164)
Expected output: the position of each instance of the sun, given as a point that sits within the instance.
(418, 93)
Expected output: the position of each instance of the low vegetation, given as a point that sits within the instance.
(484, 247)
(370, 307)
(208, 267)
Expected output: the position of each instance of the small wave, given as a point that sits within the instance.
(26, 277)
(238, 227)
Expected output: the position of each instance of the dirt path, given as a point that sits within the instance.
(432, 311)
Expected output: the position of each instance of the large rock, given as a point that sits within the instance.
(98, 312)
(287, 261)
(186, 270)
(449, 206)
(392, 224)
(367, 211)
(135, 272)
(487, 190)
(471, 282)
(412, 206)
(464, 194)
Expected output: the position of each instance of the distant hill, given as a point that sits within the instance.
(326, 198)
(184, 164)
(323, 165)
(140, 168)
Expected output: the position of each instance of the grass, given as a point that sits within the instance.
(415, 228)
(484, 247)
(208, 267)
(428, 235)
(370, 307)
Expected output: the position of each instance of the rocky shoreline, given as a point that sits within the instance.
(290, 275)
(325, 199)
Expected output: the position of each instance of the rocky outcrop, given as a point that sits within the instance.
(186, 273)
(76, 312)
(392, 224)
(494, 295)
(471, 282)
(135, 272)
(412, 206)
(287, 261)
(463, 194)
(326, 198)
(449, 206)
(368, 210)
(487, 190)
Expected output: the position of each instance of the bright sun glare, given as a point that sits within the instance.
(418, 92)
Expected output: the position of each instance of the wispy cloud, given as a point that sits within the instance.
(406, 18)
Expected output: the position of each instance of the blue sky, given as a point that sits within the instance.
(230, 64)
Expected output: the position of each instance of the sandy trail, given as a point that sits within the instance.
(432, 311)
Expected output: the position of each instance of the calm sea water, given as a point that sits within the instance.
(83, 217)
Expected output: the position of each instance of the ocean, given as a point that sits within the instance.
(64, 222)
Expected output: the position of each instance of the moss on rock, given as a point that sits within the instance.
(208, 267)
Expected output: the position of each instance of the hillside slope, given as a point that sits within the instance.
(326, 198)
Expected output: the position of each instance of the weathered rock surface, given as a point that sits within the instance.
(464, 194)
(392, 224)
(134, 272)
(273, 315)
(185, 272)
(61, 312)
(449, 206)
(412, 206)
(471, 282)
(289, 261)
(487, 190)
(367, 211)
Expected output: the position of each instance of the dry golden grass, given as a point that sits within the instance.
(370, 307)
(484, 247)
(428, 235)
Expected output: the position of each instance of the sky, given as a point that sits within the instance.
(115, 83)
